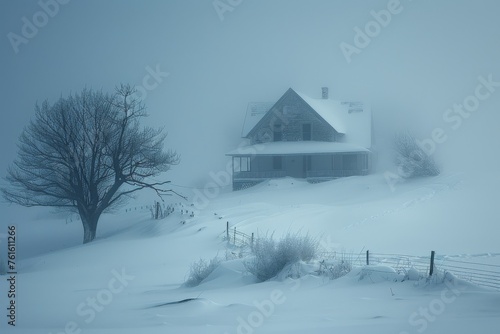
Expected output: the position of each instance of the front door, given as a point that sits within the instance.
(295, 166)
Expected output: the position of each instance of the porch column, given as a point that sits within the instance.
(232, 174)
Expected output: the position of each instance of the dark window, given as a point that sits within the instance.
(278, 135)
(306, 132)
(278, 132)
(277, 163)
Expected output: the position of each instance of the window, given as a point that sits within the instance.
(245, 164)
(241, 164)
(277, 163)
(306, 132)
(278, 132)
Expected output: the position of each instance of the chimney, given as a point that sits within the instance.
(324, 93)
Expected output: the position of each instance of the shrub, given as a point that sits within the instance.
(200, 270)
(270, 256)
(412, 160)
(335, 269)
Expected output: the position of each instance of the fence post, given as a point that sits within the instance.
(234, 238)
(431, 270)
(227, 232)
(367, 257)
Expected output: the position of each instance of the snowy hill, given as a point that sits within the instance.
(130, 279)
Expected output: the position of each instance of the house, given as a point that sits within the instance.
(301, 137)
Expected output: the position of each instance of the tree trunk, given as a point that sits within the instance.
(89, 228)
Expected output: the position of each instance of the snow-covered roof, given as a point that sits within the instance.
(353, 119)
(330, 110)
(296, 147)
(255, 112)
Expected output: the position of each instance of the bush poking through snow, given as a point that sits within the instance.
(200, 270)
(335, 269)
(270, 256)
(411, 159)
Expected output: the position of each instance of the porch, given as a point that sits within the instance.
(250, 170)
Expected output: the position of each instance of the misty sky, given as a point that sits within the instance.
(427, 58)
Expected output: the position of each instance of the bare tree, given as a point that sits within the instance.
(88, 153)
(411, 159)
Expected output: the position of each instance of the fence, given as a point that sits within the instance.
(162, 210)
(402, 263)
(481, 274)
(238, 238)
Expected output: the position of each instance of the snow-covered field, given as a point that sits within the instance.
(130, 279)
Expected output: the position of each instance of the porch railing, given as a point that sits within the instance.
(334, 173)
(259, 175)
(314, 174)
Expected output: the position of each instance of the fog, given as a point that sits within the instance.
(425, 59)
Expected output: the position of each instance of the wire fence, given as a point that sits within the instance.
(401, 263)
(238, 238)
(486, 275)
(481, 274)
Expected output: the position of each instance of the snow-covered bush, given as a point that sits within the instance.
(335, 269)
(380, 273)
(411, 159)
(200, 270)
(412, 274)
(271, 256)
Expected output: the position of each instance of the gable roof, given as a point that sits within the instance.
(353, 119)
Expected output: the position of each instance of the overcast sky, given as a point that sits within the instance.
(210, 62)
